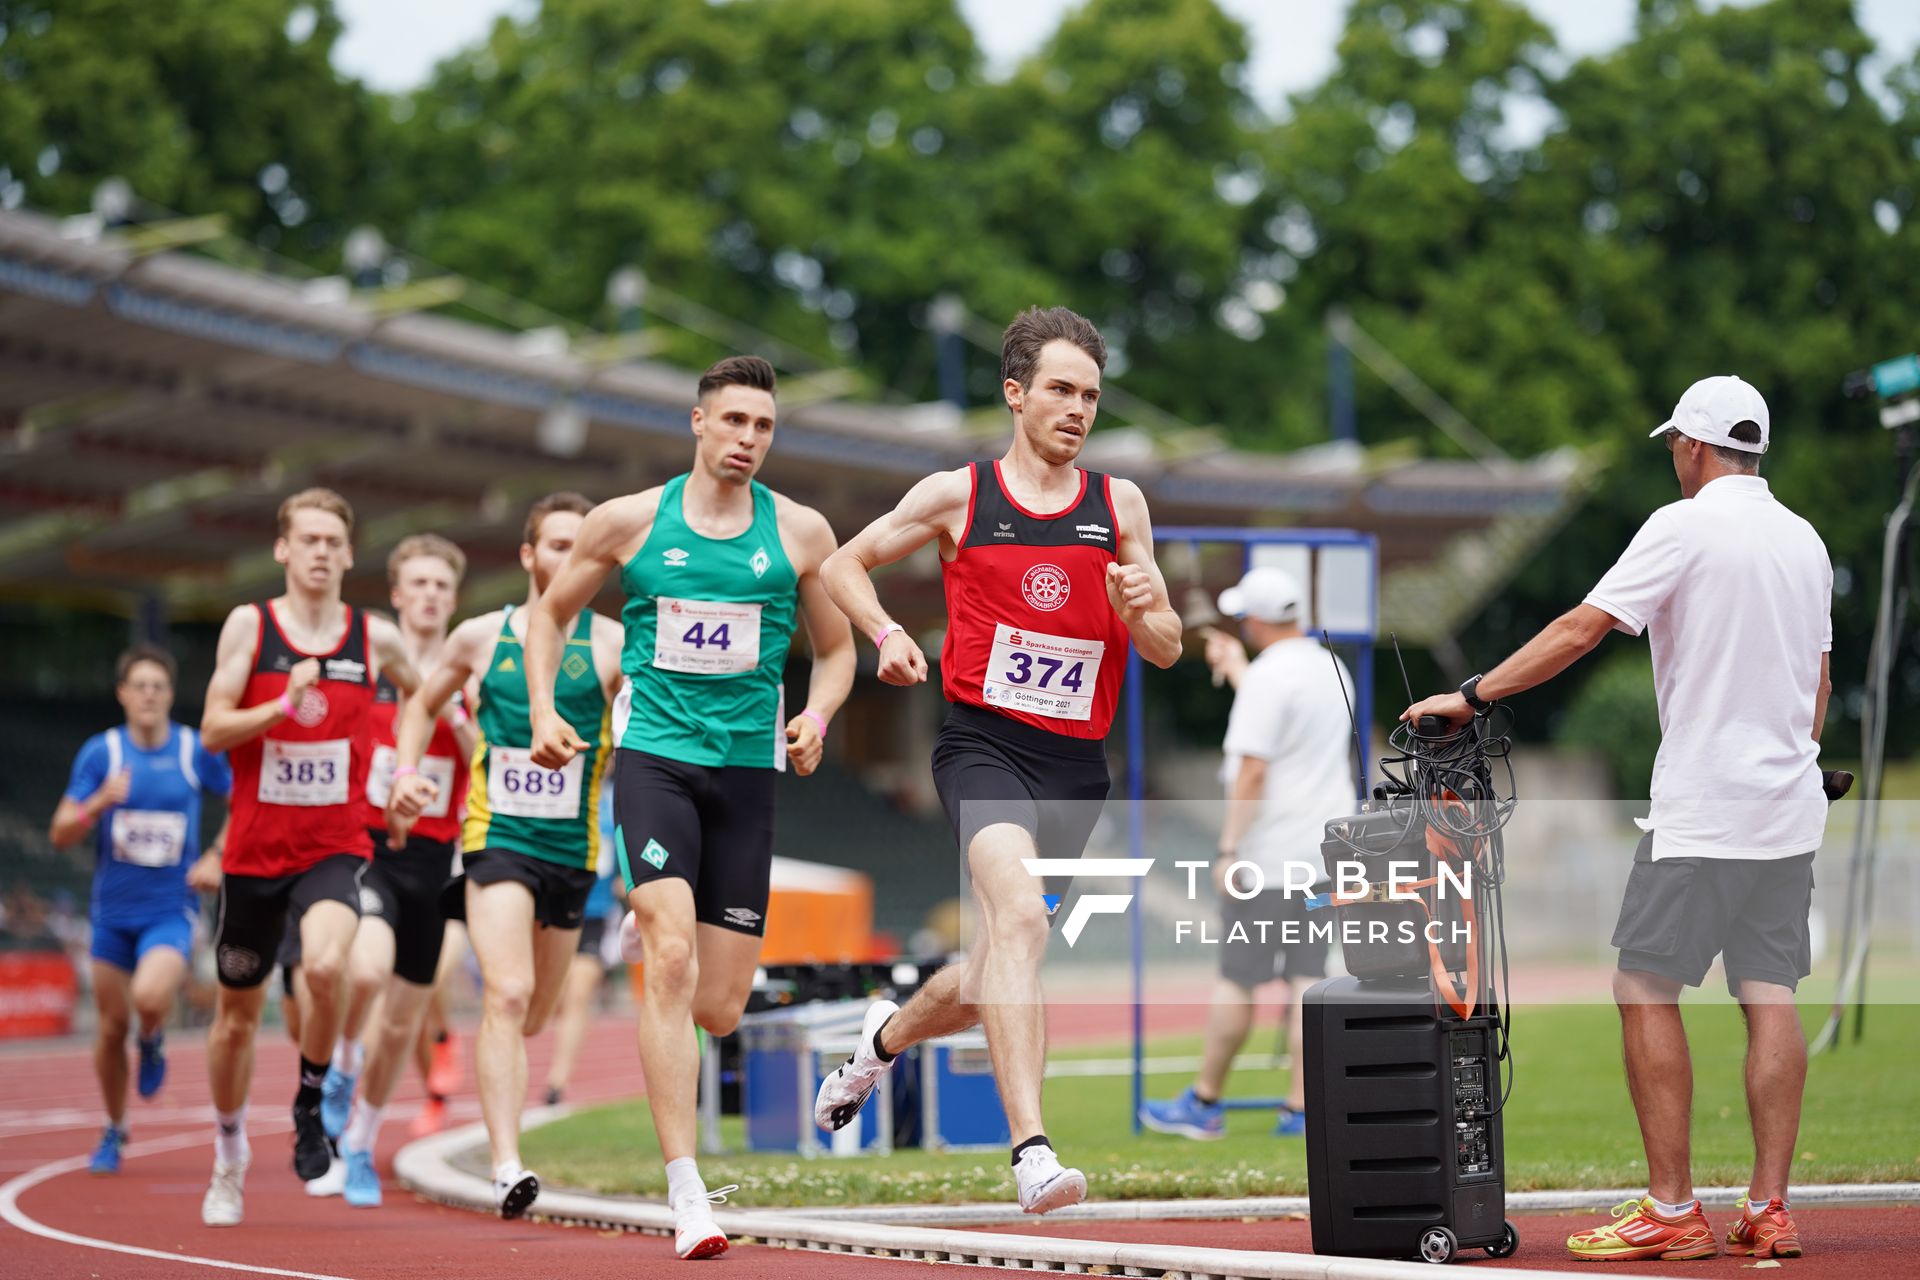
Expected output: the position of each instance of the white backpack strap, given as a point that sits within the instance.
(113, 752)
(189, 743)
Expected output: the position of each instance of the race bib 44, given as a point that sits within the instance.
(706, 637)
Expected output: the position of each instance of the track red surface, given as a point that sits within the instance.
(1875, 1243)
(49, 1112)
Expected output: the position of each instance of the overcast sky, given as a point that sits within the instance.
(393, 44)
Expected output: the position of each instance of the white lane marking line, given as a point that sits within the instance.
(11, 1212)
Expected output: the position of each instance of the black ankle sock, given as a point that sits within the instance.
(553, 1096)
(878, 1051)
(440, 1037)
(440, 1098)
(1204, 1100)
(311, 1074)
(1038, 1140)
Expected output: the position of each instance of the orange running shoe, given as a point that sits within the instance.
(1770, 1235)
(447, 1072)
(431, 1119)
(1644, 1234)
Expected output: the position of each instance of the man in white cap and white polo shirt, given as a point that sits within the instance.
(1735, 592)
(1289, 769)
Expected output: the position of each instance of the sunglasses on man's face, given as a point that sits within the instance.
(1672, 438)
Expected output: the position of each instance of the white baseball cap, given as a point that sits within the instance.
(1266, 593)
(1714, 406)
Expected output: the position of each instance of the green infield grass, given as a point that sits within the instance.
(1568, 1124)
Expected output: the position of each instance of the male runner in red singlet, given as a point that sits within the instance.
(1049, 574)
(290, 701)
(396, 952)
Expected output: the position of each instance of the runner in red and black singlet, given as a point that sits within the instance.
(1049, 576)
(291, 700)
(396, 951)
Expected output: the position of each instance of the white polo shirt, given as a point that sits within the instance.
(1735, 593)
(1292, 712)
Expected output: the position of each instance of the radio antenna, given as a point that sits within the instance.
(1339, 678)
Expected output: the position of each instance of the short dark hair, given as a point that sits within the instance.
(145, 653)
(565, 500)
(1033, 329)
(737, 371)
(1746, 432)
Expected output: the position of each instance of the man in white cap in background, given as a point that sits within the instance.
(1735, 592)
(1288, 770)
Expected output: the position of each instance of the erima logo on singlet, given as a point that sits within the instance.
(1004, 531)
(761, 562)
(674, 557)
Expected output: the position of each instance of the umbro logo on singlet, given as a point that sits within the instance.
(674, 557)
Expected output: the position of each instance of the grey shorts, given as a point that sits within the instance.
(1275, 940)
(1679, 913)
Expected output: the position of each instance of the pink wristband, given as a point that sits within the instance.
(880, 636)
(819, 721)
(458, 716)
(286, 703)
(404, 771)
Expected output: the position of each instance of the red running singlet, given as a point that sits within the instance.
(297, 789)
(441, 820)
(1030, 633)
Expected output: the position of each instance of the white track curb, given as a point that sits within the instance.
(424, 1167)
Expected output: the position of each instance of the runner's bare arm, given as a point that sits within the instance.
(609, 638)
(225, 724)
(934, 508)
(829, 637)
(414, 728)
(606, 536)
(390, 655)
(1134, 586)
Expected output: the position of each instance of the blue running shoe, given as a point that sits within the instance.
(153, 1064)
(106, 1156)
(363, 1184)
(1187, 1116)
(1292, 1124)
(336, 1101)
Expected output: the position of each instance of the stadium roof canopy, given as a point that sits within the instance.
(156, 404)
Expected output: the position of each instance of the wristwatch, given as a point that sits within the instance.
(1471, 692)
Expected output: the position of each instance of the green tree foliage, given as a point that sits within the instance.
(1615, 714)
(204, 106)
(1558, 247)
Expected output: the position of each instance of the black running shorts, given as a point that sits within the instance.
(559, 893)
(709, 826)
(1679, 913)
(403, 888)
(991, 770)
(257, 911)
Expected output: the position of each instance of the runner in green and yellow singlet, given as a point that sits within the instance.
(532, 836)
(717, 570)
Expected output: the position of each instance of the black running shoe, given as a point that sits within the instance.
(312, 1152)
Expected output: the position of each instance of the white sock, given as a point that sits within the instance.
(683, 1178)
(348, 1055)
(1757, 1205)
(1680, 1210)
(230, 1136)
(363, 1125)
(118, 1124)
(505, 1175)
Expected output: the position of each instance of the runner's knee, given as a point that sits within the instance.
(672, 969)
(718, 1014)
(510, 996)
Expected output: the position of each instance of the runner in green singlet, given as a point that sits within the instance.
(532, 834)
(717, 570)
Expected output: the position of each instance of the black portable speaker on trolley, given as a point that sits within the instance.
(1404, 1152)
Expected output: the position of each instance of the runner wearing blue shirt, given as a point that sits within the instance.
(136, 789)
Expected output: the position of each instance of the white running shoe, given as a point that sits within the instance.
(514, 1195)
(330, 1183)
(630, 940)
(224, 1205)
(695, 1234)
(1044, 1184)
(847, 1089)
